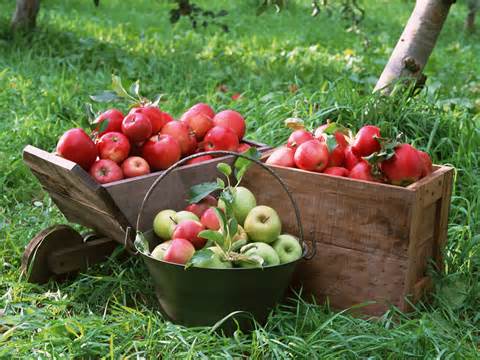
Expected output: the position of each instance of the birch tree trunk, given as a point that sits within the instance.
(25, 15)
(416, 43)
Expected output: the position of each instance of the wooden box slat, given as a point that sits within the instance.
(374, 241)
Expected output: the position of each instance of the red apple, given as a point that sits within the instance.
(232, 120)
(114, 120)
(243, 147)
(351, 159)
(220, 138)
(202, 206)
(157, 117)
(282, 156)
(199, 159)
(135, 166)
(137, 127)
(75, 145)
(161, 151)
(183, 134)
(114, 146)
(312, 155)
(298, 137)
(189, 230)
(105, 171)
(179, 251)
(200, 119)
(427, 163)
(362, 171)
(337, 171)
(209, 219)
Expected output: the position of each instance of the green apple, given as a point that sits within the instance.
(265, 251)
(160, 249)
(263, 224)
(166, 220)
(164, 224)
(185, 215)
(288, 248)
(243, 202)
(216, 261)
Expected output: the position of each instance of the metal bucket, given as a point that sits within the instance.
(226, 297)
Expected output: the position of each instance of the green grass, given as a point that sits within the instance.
(110, 311)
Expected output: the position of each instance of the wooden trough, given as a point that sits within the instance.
(374, 241)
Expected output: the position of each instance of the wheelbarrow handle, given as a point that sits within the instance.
(307, 253)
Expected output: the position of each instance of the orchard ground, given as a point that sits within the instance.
(286, 64)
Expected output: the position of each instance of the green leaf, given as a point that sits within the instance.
(141, 244)
(157, 99)
(331, 143)
(242, 165)
(227, 198)
(212, 235)
(232, 226)
(225, 169)
(90, 113)
(118, 87)
(221, 219)
(135, 88)
(199, 257)
(220, 183)
(200, 191)
(105, 96)
(103, 125)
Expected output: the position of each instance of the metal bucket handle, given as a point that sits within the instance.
(308, 253)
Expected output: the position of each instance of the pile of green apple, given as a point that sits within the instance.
(231, 231)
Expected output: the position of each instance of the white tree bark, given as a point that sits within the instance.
(416, 43)
(25, 15)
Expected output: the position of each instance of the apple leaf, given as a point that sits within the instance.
(225, 169)
(331, 143)
(141, 244)
(220, 183)
(251, 260)
(103, 125)
(199, 257)
(213, 236)
(200, 191)
(221, 219)
(232, 226)
(105, 96)
(227, 197)
(118, 87)
(294, 124)
(236, 245)
(90, 113)
(135, 88)
(242, 165)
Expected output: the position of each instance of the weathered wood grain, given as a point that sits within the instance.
(76, 194)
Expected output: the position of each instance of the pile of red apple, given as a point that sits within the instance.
(367, 156)
(258, 237)
(149, 139)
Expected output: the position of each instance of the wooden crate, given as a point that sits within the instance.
(109, 209)
(373, 241)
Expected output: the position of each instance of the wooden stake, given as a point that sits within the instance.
(416, 43)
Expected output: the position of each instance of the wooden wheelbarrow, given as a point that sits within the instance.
(108, 210)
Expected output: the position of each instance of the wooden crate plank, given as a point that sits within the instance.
(76, 194)
(79, 213)
(349, 277)
(351, 214)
